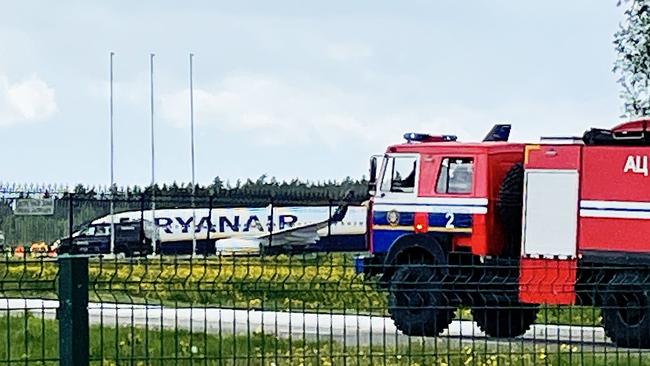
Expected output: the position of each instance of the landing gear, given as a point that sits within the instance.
(417, 304)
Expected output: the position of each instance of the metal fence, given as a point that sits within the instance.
(310, 308)
(67, 212)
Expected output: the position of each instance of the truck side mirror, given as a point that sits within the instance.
(372, 181)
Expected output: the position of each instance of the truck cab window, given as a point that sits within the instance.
(399, 174)
(456, 175)
(89, 231)
(103, 231)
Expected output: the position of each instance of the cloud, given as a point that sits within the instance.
(134, 91)
(346, 51)
(275, 111)
(26, 101)
(272, 110)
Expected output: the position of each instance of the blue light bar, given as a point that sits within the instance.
(423, 137)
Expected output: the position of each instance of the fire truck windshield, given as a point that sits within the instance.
(398, 174)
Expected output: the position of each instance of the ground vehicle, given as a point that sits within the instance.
(131, 238)
(2, 240)
(502, 228)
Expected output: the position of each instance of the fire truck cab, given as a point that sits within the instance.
(502, 228)
(442, 188)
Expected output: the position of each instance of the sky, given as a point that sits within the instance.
(290, 89)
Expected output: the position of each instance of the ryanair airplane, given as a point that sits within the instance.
(236, 230)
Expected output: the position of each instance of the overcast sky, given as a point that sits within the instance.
(289, 88)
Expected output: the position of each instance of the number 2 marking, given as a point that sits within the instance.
(450, 220)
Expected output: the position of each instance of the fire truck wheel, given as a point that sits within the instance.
(505, 322)
(509, 208)
(626, 312)
(416, 303)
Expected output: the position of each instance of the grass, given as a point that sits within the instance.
(30, 340)
(325, 283)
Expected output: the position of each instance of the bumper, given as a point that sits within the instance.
(93, 250)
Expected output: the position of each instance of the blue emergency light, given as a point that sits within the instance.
(423, 137)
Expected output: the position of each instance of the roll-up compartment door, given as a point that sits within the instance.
(550, 213)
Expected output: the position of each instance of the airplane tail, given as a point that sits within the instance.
(498, 133)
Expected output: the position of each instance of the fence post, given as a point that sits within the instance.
(70, 215)
(210, 204)
(330, 202)
(73, 311)
(155, 228)
(270, 218)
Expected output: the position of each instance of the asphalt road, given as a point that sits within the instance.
(347, 329)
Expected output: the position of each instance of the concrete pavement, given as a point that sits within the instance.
(348, 329)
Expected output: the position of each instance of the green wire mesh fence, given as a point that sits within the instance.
(309, 308)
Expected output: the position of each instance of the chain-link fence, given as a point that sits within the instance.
(237, 304)
(175, 224)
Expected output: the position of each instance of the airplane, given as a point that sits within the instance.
(251, 230)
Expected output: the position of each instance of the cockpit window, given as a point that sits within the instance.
(399, 174)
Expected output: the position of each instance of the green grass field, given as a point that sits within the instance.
(34, 341)
(306, 284)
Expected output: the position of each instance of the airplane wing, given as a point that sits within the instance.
(297, 235)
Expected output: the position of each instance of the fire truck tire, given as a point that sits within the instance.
(509, 208)
(626, 311)
(505, 322)
(416, 302)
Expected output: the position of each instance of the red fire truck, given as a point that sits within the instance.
(503, 228)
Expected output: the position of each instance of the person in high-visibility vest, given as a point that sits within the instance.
(38, 249)
(19, 251)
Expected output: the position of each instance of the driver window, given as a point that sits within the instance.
(388, 169)
(456, 175)
(103, 231)
(90, 231)
(399, 174)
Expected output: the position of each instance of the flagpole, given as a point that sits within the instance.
(153, 150)
(192, 152)
(112, 248)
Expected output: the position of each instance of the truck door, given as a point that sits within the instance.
(93, 239)
(393, 213)
(548, 265)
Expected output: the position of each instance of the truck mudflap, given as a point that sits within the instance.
(547, 280)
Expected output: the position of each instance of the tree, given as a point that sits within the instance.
(632, 43)
(217, 184)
